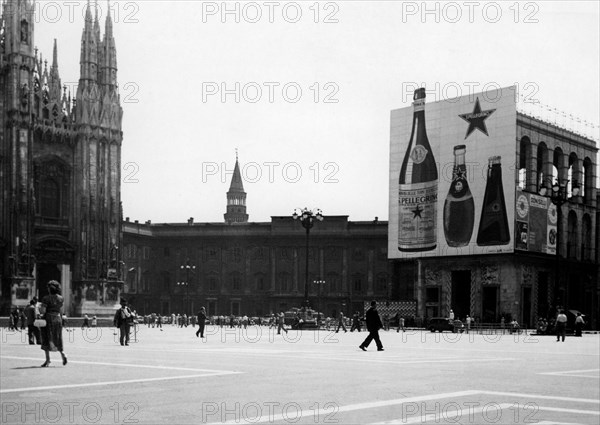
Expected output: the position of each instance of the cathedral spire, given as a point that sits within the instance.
(236, 197)
(109, 54)
(89, 50)
(54, 77)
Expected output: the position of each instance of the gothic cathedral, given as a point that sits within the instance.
(60, 169)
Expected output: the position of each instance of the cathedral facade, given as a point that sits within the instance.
(60, 162)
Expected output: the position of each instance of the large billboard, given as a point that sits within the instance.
(452, 178)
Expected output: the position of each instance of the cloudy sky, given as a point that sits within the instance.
(304, 90)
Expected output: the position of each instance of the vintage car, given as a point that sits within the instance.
(441, 324)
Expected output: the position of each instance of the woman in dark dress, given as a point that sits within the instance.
(52, 332)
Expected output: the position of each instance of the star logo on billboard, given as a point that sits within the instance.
(417, 212)
(476, 119)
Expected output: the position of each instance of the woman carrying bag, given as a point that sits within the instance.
(50, 311)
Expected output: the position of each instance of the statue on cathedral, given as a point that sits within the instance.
(24, 95)
(24, 32)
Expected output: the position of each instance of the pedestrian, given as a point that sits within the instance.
(201, 322)
(33, 332)
(23, 319)
(50, 309)
(386, 322)
(401, 324)
(468, 320)
(373, 325)
(561, 325)
(86, 321)
(579, 323)
(451, 315)
(355, 322)
(94, 322)
(281, 322)
(14, 319)
(159, 322)
(122, 320)
(341, 323)
(245, 321)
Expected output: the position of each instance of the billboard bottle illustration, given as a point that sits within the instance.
(418, 187)
(493, 226)
(459, 208)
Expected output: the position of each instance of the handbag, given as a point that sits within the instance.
(40, 323)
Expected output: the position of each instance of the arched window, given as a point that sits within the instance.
(524, 152)
(572, 174)
(50, 198)
(557, 162)
(236, 281)
(358, 286)
(332, 283)
(587, 184)
(542, 158)
(284, 282)
(259, 279)
(586, 238)
(572, 235)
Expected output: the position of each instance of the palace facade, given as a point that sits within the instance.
(240, 267)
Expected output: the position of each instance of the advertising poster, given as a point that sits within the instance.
(452, 178)
(535, 223)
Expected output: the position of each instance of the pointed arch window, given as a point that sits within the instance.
(50, 198)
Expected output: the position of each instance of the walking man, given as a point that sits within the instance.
(561, 326)
(281, 323)
(33, 331)
(400, 324)
(201, 322)
(355, 322)
(341, 323)
(373, 325)
(122, 320)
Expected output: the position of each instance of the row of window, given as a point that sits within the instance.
(546, 166)
(331, 284)
(236, 254)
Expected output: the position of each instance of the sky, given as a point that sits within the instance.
(303, 90)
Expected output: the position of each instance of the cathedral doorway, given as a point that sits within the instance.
(45, 272)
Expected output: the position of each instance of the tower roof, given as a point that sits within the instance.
(236, 180)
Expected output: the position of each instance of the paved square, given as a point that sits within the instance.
(255, 376)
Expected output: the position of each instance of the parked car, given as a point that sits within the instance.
(441, 324)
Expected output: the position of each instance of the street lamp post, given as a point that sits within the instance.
(307, 219)
(187, 267)
(319, 283)
(558, 196)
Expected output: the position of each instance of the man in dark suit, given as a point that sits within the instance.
(201, 322)
(123, 320)
(373, 326)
